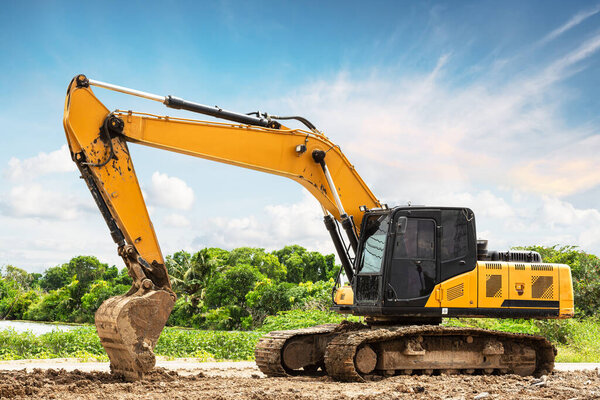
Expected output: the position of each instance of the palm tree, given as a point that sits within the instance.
(191, 274)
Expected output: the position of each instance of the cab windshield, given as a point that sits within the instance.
(373, 248)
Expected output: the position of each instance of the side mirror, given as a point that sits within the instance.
(401, 227)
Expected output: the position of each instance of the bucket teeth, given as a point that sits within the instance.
(129, 327)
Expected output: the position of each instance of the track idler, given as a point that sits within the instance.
(129, 326)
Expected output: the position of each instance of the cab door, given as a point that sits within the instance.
(413, 270)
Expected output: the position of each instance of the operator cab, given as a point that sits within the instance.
(404, 252)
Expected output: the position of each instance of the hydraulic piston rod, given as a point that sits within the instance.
(181, 104)
(347, 222)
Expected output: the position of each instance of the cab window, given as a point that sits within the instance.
(373, 250)
(454, 235)
(418, 242)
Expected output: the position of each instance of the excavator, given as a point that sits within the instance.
(405, 267)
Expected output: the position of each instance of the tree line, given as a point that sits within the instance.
(216, 288)
(226, 290)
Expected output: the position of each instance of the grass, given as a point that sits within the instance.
(576, 340)
(78, 343)
(84, 343)
(295, 319)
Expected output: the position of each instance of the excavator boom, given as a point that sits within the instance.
(130, 325)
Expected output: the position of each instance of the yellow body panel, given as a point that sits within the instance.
(459, 291)
(490, 284)
(344, 296)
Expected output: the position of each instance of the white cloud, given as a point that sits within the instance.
(559, 213)
(276, 226)
(169, 192)
(484, 203)
(571, 23)
(34, 201)
(176, 221)
(43, 164)
(39, 243)
(512, 219)
(428, 136)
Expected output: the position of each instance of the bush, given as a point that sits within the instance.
(184, 314)
(58, 305)
(223, 345)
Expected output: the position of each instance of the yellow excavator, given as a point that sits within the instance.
(407, 267)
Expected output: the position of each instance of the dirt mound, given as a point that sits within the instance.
(163, 384)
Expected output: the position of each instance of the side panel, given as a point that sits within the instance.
(459, 292)
(492, 284)
(507, 290)
(533, 285)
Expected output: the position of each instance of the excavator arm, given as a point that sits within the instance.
(130, 325)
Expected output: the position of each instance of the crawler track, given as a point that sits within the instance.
(268, 351)
(510, 353)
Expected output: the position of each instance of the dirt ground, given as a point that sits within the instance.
(224, 381)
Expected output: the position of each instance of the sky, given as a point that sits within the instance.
(482, 104)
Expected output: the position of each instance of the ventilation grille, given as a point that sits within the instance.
(455, 292)
(542, 267)
(542, 287)
(520, 267)
(493, 266)
(493, 285)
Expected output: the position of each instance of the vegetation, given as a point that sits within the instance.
(232, 297)
(84, 343)
(576, 340)
(216, 289)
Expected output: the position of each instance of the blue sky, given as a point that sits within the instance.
(491, 105)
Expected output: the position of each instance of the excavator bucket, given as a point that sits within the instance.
(129, 327)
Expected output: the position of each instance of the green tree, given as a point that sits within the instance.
(86, 268)
(16, 295)
(110, 273)
(231, 287)
(191, 274)
(56, 305)
(19, 276)
(267, 264)
(268, 298)
(56, 277)
(303, 266)
(123, 278)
